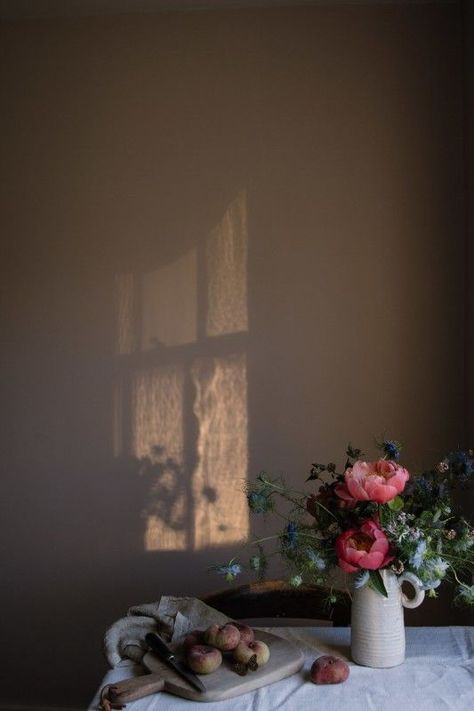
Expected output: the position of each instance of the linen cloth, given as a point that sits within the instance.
(438, 675)
(171, 616)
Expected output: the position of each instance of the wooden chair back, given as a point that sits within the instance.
(277, 599)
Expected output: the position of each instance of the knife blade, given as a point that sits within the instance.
(164, 652)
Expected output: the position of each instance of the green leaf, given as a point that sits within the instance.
(396, 504)
(376, 582)
(353, 452)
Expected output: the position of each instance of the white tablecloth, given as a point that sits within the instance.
(438, 675)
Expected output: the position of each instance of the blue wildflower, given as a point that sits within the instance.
(361, 579)
(417, 557)
(391, 449)
(258, 502)
(424, 485)
(230, 570)
(315, 560)
(295, 581)
(291, 535)
(256, 563)
(437, 567)
(461, 464)
(465, 593)
(431, 584)
(433, 572)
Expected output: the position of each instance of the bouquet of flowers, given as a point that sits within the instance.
(372, 515)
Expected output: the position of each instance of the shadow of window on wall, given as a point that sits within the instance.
(181, 389)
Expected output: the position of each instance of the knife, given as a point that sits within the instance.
(164, 652)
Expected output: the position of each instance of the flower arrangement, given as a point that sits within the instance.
(370, 516)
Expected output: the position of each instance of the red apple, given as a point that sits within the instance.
(225, 637)
(204, 659)
(245, 650)
(329, 670)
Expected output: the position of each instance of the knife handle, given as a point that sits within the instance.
(122, 692)
(158, 646)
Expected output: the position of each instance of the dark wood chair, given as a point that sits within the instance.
(277, 599)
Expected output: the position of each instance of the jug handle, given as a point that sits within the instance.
(419, 595)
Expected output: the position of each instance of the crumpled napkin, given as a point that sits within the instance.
(172, 617)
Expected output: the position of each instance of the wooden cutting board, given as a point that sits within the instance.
(285, 659)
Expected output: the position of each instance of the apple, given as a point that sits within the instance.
(224, 637)
(329, 670)
(246, 632)
(245, 650)
(192, 638)
(203, 659)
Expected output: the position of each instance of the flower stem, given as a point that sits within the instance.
(453, 557)
(282, 489)
(258, 541)
(454, 573)
(262, 540)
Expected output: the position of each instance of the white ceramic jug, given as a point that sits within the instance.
(377, 625)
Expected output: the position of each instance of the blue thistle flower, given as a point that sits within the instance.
(424, 485)
(291, 535)
(391, 449)
(258, 502)
(461, 464)
(230, 570)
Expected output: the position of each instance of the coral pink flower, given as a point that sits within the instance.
(366, 547)
(379, 481)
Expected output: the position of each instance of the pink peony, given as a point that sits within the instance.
(366, 547)
(379, 481)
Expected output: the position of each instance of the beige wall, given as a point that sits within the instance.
(277, 197)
